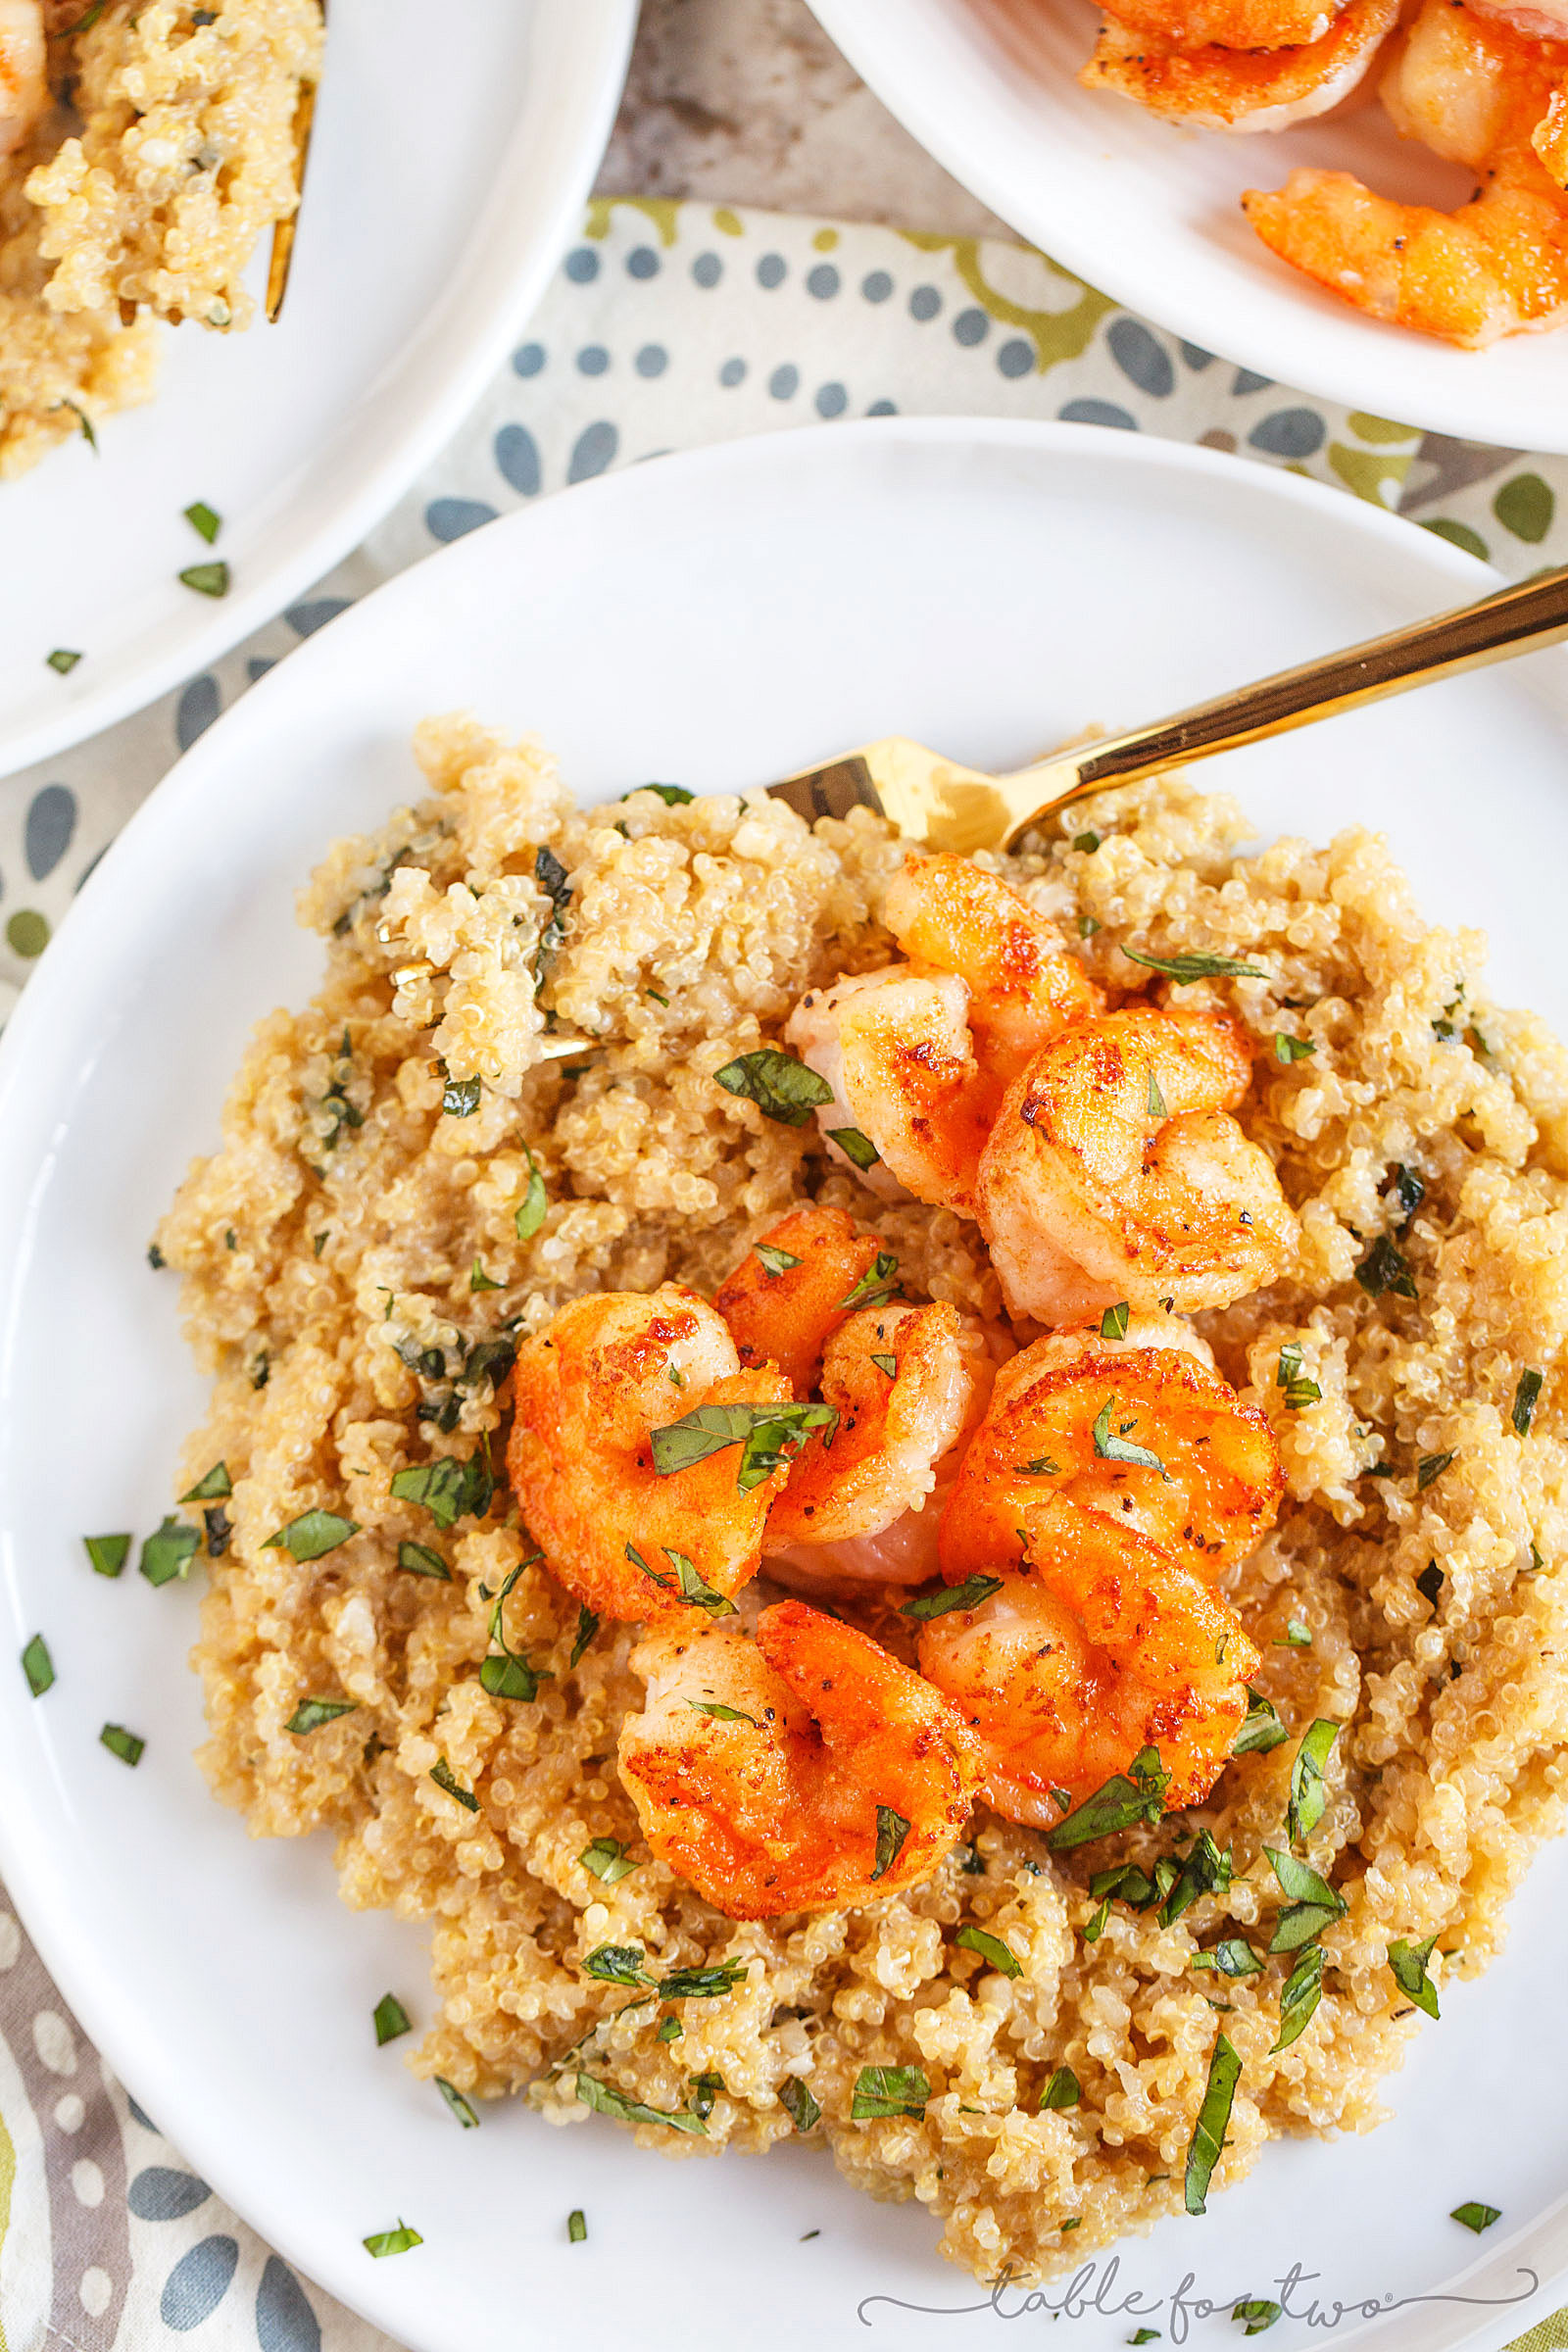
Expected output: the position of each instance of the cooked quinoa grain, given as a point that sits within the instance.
(377, 1146)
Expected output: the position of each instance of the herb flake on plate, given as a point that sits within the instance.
(1258, 2313)
(797, 2102)
(63, 661)
(576, 2227)
(168, 1551)
(213, 1487)
(390, 2019)
(460, 2106)
(392, 2242)
(108, 1553)
(204, 520)
(122, 1743)
(1476, 2217)
(1408, 1965)
(38, 1666)
(208, 579)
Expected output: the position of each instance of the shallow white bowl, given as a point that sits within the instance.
(446, 175)
(1151, 213)
(721, 618)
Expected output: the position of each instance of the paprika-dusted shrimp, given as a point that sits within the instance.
(1215, 88)
(1097, 1644)
(24, 71)
(1229, 23)
(1113, 1172)
(786, 1314)
(589, 1392)
(1149, 1436)
(907, 1384)
(804, 1770)
(1475, 89)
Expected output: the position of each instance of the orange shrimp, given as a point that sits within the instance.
(785, 1314)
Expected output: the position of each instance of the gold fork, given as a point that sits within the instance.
(282, 259)
(950, 806)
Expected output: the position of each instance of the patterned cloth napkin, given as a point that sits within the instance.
(666, 326)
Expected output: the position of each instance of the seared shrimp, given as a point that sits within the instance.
(1474, 90)
(909, 1383)
(24, 71)
(804, 1770)
(1240, 89)
(1147, 1436)
(1097, 1644)
(1229, 23)
(1113, 1172)
(784, 1314)
(588, 1393)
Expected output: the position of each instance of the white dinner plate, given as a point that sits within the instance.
(721, 617)
(448, 165)
(1151, 213)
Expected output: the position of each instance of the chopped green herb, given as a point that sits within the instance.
(204, 521)
(1156, 1101)
(511, 1677)
(605, 2099)
(460, 1097)
(311, 1713)
(587, 1627)
(1041, 1467)
(889, 2090)
(891, 1832)
(1430, 1582)
(723, 1714)
(775, 1261)
(888, 1364)
(673, 796)
(445, 1778)
(1185, 969)
(122, 1743)
(479, 1280)
(1062, 2090)
(208, 579)
(459, 2105)
(704, 2090)
(1476, 2217)
(1145, 2335)
(108, 1553)
(1537, 1563)
(1208, 2131)
(419, 1560)
(1525, 1398)
(798, 2104)
(531, 1215)
(213, 1487)
(1302, 1992)
(856, 1146)
(1205, 1870)
(1297, 1636)
(688, 1585)
(782, 1088)
(390, 2019)
(1095, 1926)
(576, 2227)
(392, 2242)
(63, 660)
(1136, 1795)
(1308, 1796)
(1430, 1466)
(1089, 843)
(312, 1535)
(1114, 1322)
(876, 1286)
(551, 877)
(988, 1948)
(1262, 1729)
(449, 1489)
(38, 1666)
(1288, 1049)
(967, 1596)
(1234, 1957)
(1409, 1189)
(702, 1984)
(606, 1857)
(1386, 1268)
(170, 1552)
(1258, 2313)
(1112, 1448)
(1087, 926)
(1299, 1388)
(768, 1434)
(671, 2028)
(1408, 1965)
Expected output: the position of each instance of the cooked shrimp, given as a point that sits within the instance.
(1113, 1172)
(1229, 23)
(785, 1314)
(1097, 1644)
(23, 70)
(1147, 1436)
(1217, 88)
(908, 1383)
(1484, 95)
(588, 1393)
(804, 1770)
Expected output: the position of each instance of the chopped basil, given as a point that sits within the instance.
(38, 1666)
(1302, 1992)
(889, 2090)
(1087, 842)
(202, 520)
(587, 1627)
(213, 1487)
(208, 579)
(1062, 2090)
(618, 1964)
(1525, 1397)
(1205, 1870)
(122, 1743)
(108, 1553)
(1041, 1467)
(688, 1586)
(511, 1677)
(1136, 1795)
(390, 2019)
(576, 2227)
(419, 1560)
(1156, 1101)
(671, 2028)
(460, 1097)
(1408, 1965)
(1258, 2313)
(168, 1552)
(1313, 1903)
(798, 2104)
(1262, 1729)
(702, 1984)
(1087, 926)
(673, 796)
(1288, 1049)
(1112, 1448)
(445, 1778)
(723, 1714)
(1208, 2131)
(1430, 1582)
(1430, 1466)
(888, 1364)
(459, 2105)
(1196, 965)
(782, 1088)
(1145, 2335)
(392, 2242)
(968, 1596)
(891, 1832)
(1308, 1796)
(768, 1434)
(311, 1713)
(535, 1200)
(1095, 1926)
(63, 660)
(449, 1489)
(1298, 1388)
(1114, 1322)
(1476, 2217)
(775, 1261)
(1233, 1957)
(1386, 1268)
(550, 877)
(479, 1280)
(876, 1286)
(606, 1857)
(971, 1862)
(990, 1948)
(605, 2099)
(312, 1535)
(857, 1147)
(1297, 1636)
(704, 2090)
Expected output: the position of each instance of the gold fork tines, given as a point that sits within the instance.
(283, 231)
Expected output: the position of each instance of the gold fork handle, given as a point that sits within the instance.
(1514, 620)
